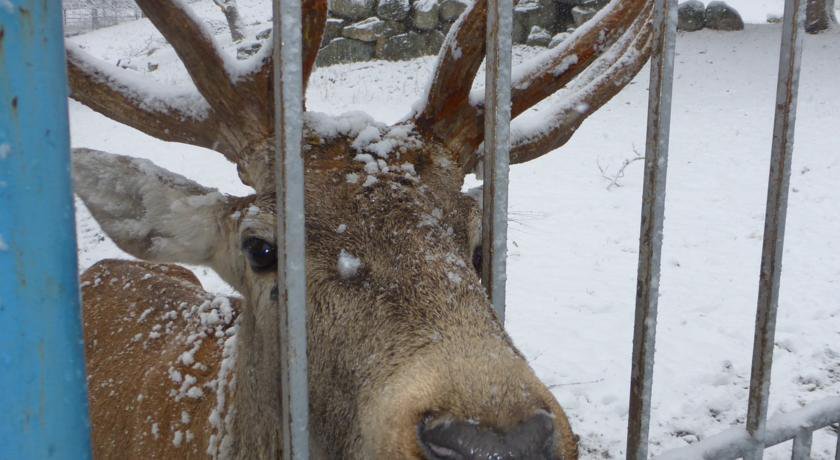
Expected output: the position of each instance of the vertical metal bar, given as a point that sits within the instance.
(653, 215)
(802, 445)
(291, 235)
(837, 448)
(496, 162)
(774, 223)
(42, 375)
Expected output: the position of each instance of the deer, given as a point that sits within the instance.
(407, 359)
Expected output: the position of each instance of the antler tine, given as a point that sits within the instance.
(554, 70)
(622, 64)
(197, 50)
(314, 20)
(458, 62)
(114, 94)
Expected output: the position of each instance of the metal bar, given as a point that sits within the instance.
(496, 162)
(802, 445)
(774, 223)
(737, 442)
(291, 234)
(42, 371)
(653, 215)
(837, 448)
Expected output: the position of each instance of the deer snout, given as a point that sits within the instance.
(442, 438)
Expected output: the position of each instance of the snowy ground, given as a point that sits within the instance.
(573, 241)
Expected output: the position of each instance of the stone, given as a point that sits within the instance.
(558, 39)
(372, 29)
(264, 34)
(520, 33)
(344, 50)
(450, 10)
(691, 16)
(332, 29)
(597, 4)
(353, 9)
(247, 50)
(720, 16)
(393, 10)
(410, 45)
(425, 14)
(538, 37)
(581, 14)
(530, 13)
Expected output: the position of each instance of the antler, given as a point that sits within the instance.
(606, 77)
(233, 110)
(456, 118)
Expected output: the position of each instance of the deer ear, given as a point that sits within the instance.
(149, 212)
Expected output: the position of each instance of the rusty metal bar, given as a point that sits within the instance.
(291, 235)
(653, 214)
(496, 161)
(774, 223)
(802, 445)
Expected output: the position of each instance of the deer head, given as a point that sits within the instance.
(406, 357)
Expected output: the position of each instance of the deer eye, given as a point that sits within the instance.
(262, 255)
(476, 259)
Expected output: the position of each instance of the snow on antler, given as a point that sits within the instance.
(455, 116)
(129, 99)
(535, 134)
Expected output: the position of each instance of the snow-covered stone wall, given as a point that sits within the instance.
(359, 30)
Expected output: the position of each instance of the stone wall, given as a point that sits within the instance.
(360, 30)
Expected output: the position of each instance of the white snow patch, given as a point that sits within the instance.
(341, 229)
(348, 265)
(195, 392)
(177, 438)
(370, 180)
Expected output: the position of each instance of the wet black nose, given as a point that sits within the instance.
(444, 439)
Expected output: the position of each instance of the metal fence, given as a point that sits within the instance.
(56, 355)
(81, 20)
(750, 441)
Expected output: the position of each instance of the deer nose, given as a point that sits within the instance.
(444, 439)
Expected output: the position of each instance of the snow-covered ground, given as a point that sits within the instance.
(573, 239)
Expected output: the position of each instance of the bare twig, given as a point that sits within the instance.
(613, 179)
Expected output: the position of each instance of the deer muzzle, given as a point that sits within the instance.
(442, 438)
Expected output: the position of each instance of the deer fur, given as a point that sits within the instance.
(401, 343)
(410, 334)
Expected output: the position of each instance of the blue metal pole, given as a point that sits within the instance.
(42, 379)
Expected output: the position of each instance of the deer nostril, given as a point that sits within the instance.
(444, 439)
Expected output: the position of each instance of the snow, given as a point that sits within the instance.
(573, 243)
(348, 265)
(425, 5)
